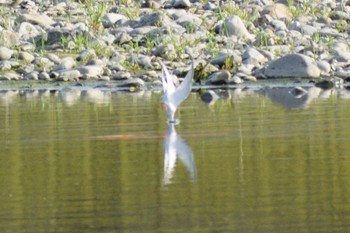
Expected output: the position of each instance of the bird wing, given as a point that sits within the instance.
(168, 84)
(184, 89)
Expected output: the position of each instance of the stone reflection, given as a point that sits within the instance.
(97, 96)
(70, 97)
(7, 97)
(176, 148)
(292, 97)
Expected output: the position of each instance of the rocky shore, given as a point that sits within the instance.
(121, 42)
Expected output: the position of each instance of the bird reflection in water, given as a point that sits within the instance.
(176, 148)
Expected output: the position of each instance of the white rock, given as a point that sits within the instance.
(277, 11)
(236, 80)
(10, 76)
(90, 71)
(219, 78)
(5, 53)
(253, 56)
(32, 76)
(342, 55)
(8, 38)
(54, 58)
(324, 67)
(44, 76)
(66, 64)
(69, 75)
(120, 75)
(86, 55)
(233, 26)
(36, 18)
(26, 31)
(109, 19)
(25, 56)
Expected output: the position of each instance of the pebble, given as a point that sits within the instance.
(219, 78)
(181, 3)
(44, 76)
(5, 53)
(26, 56)
(65, 64)
(90, 71)
(9, 38)
(27, 31)
(121, 75)
(132, 84)
(69, 75)
(35, 18)
(10, 76)
(34, 75)
(253, 56)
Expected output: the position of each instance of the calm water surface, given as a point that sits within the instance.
(270, 160)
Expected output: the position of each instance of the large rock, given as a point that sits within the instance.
(8, 38)
(10, 76)
(26, 31)
(219, 78)
(110, 19)
(293, 66)
(181, 3)
(34, 18)
(277, 11)
(26, 56)
(66, 64)
(233, 26)
(69, 75)
(253, 57)
(90, 71)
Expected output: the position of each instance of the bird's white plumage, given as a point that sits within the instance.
(174, 96)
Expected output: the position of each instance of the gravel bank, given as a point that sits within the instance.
(231, 42)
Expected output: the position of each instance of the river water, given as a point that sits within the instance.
(244, 160)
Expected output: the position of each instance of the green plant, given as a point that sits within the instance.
(64, 42)
(132, 12)
(190, 28)
(82, 41)
(230, 64)
(230, 8)
(213, 47)
(102, 50)
(40, 45)
(262, 38)
(95, 13)
(329, 41)
(311, 8)
(131, 66)
(150, 41)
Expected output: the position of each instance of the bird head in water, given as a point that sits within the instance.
(175, 95)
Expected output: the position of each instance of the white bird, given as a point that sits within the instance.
(174, 96)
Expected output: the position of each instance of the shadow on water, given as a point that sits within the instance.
(257, 159)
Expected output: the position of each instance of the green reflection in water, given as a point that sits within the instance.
(86, 161)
